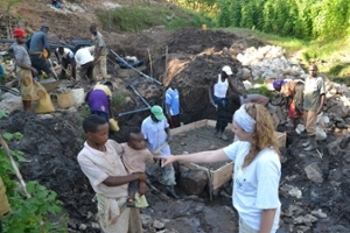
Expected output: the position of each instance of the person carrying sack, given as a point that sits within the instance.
(5, 209)
(30, 89)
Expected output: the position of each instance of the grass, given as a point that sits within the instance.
(142, 16)
(263, 90)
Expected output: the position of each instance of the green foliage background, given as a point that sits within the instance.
(297, 18)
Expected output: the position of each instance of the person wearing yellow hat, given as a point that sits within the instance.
(155, 129)
(30, 89)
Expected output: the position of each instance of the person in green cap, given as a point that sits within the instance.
(156, 131)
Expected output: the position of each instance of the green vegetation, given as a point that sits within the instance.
(263, 90)
(119, 99)
(141, 16)
(9, 4)
(30, 215)
(297, 18)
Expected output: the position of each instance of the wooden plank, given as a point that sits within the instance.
(188, 127)
(221, 175)
(282, 138)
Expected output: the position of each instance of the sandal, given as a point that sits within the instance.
(130, 203)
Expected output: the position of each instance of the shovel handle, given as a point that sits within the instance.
(160, 148)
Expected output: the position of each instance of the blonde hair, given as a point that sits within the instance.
(264, 135)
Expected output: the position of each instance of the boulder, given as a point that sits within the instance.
(314, 173)
(193, 181)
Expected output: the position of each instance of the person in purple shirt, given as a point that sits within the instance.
(99, 100)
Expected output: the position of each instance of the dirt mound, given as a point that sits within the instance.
(194, 57)
(51, 145)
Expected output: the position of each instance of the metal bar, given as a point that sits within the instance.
(133, 111)
(10, 90)
(141, 97)
(131, 67)
(52, 45)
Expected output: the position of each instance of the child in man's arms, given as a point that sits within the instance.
(135, 157)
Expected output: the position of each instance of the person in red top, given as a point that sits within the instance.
(293, 91)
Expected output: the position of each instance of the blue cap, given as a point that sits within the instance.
(43, 26)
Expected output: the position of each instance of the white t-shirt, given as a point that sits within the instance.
(155, 134)
(220, 88)
(66, 53)
(256, 186)
(84, 55)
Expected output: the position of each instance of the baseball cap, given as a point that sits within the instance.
(157, 112)
(43, 26)
(227, 70)
(19, 32)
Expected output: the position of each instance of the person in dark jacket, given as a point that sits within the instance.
(39, 51)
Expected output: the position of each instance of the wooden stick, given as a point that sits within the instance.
(209, 184)
(18, 174)
(166, 64)
(150, 62)
(160, 148)
(157, 190)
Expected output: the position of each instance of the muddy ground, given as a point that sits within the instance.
(51, 146)
(52, 142)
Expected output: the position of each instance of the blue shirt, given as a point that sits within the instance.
(38, 42)
(172, 98)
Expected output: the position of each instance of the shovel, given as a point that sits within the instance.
(52, 68)
(160, 148)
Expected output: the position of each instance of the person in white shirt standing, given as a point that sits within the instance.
(313, 101)
(85, 60)
(157, 134)
(172, 105)
(65, 57)
(257, 168)
(218, 97)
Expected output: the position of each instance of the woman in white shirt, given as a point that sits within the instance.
(257, 168)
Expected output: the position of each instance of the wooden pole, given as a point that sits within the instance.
(166, 64)
(150, 62)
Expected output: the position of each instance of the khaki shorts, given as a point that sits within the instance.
(244, 228)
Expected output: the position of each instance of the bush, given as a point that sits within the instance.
(263, 90)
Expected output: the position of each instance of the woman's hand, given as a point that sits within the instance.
(166, 160)
(142, 188)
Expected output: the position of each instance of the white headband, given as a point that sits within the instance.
(244, 120)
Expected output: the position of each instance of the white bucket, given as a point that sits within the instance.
(78, 96)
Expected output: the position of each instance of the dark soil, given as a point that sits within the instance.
(52, 142)
(199, 139)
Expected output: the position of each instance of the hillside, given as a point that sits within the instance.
(312, 184)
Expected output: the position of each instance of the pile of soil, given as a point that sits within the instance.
(194, 58)
(51, 145)
(199, 139)
(52, 142)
